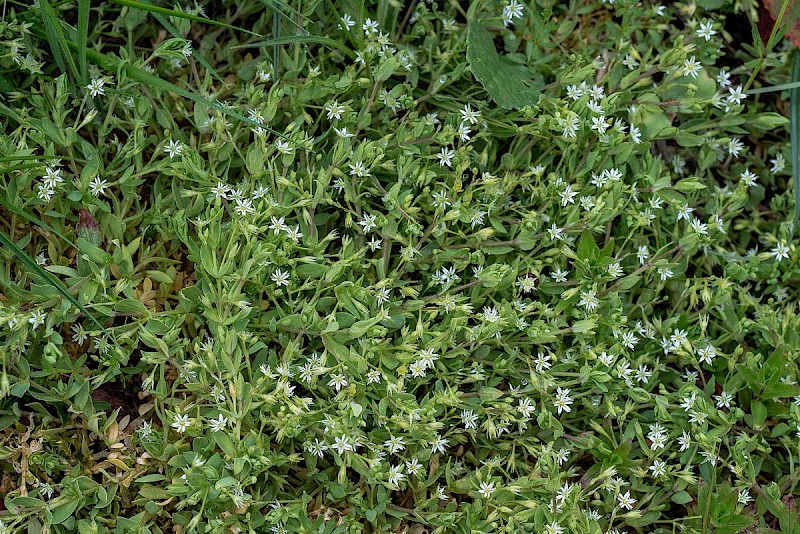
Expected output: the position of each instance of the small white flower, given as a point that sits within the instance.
(559, 276)
(589, 300)
(615, 270)
(347, 22)
(334, 110)
(568, 196)
(218, 424)
(563, 400)
(691, 67)
(781, 251)
(342, 444)
(736, 95)
(512, 10)
(469, 115)
(748, 178)
(625, 500)
(37, 319)
(778, 163)
(724, 78)
(685, 441)
(97, 186)
(367, 222)
(636, 134)
(45, 489)
(96, 88)
(283, 147)
(281, 278)
(600, 124)
(724, 400)
(487, 489)
(642, 254)
(338, 381)
(735, 146)
(395, 474)
(343, 133)
(173, 148)
(744, 496)
(706, 31)
(394, 444)
(181, 423)
(630, 62)
(79, 335)
(357, 169)
(263, 76)
(370, 26)
(445, 157)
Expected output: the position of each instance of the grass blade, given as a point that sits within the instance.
(300, 39)
(773, 88)
(276, 48)
(794, 111)
(31, 157)
(52, 280)
(173, 13)
(35, 220)
(58, 43)
(83, 38)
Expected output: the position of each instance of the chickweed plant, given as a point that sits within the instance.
(426, 266)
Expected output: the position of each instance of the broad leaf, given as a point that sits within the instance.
(509, 84)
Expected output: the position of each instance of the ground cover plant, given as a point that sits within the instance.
(491, 266)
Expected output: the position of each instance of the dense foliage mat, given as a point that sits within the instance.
(419, 266)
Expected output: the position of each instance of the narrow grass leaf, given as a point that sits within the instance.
(52, 280)
(58, 43)
(773, 88)
(299, 39)
(794, 99)
(29, 157)
(173, 13)
(276, 48)
(35, 220)
(83, 38)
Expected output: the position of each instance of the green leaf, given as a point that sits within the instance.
(509, 84)
(681, 497)
(587, 247)
(62, 512)
(225, 443)
(732, 524)
(689, 184)
(490, 394)
(154, 493)
(759, 412)
(766, 121)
